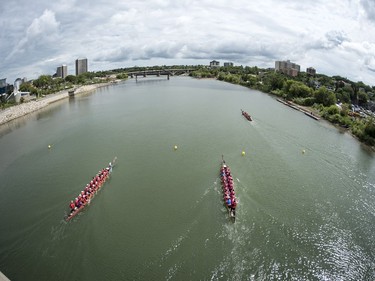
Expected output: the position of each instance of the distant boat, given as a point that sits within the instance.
(246, 115)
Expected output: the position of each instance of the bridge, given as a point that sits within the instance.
(158, 72)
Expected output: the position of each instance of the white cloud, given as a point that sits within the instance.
(42, 30)
(325, 35)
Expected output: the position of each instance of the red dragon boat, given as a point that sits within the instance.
(229, 196)
(246, 115)
(91, 189)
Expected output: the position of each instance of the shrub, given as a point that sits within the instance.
(332, 110)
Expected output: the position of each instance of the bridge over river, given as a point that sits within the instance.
(159, 72)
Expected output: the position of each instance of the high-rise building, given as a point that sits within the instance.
(81, 66)
(227, 64)
(311, 71)
(62, 71)
(287, 67)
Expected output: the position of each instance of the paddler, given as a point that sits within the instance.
(234, 204)
(81, 199)
(72, 206)
(229, 202)
(78, 203)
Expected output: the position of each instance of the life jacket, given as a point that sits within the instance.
(229, 202)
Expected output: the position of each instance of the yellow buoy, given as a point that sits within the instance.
(175, 147)
(243, 153)
(49, 146)
(303, 151)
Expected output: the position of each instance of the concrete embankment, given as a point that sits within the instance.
(299, 108)
(3, 277)
(23, 109)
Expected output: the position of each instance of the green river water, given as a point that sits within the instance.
(301, 216)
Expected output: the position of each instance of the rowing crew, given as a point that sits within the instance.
(92, 187)
(229, 196)
(247, 115)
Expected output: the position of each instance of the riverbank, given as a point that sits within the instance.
(23, 109)
(306, 110)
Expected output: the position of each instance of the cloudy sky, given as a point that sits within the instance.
(336, 37)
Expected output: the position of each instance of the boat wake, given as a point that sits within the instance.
(169, 258)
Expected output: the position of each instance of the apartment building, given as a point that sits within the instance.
(214, 63)
(311, 71)
(287, 67)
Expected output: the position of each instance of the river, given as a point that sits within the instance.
(306, 189)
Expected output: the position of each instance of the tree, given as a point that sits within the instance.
(325, 97)
(71, 79)
(370, 128)
(343, 94)
(58, 81)
(344, 109)
(361, 85)
(362, 97)
(332, 110)
(28, 87)
(43, 81)
(325, 80)
(275, 81)
(122, 76)
(298, 89)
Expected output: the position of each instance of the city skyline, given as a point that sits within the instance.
(336, 38)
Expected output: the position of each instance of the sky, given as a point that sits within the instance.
(336, 37)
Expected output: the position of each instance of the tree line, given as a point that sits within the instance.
(319, 92)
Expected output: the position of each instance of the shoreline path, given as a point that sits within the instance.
(23, 109)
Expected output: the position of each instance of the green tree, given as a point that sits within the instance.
(343, 94)
(122, 76)
(370, 128)
(344, 110)
(325, 80)
(71, 79)
(58, 81)
(362, 97)
(28, 87)
(325, 97)
(298, 89)
(274, 81)
(43, 81)
(332, 110)
(81, 79)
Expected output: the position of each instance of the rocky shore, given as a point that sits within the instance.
(23, 109)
